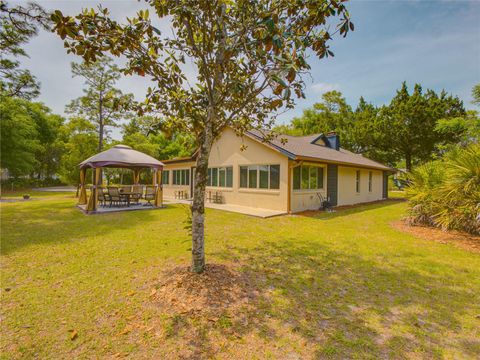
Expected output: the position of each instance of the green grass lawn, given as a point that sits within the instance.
(340, 285)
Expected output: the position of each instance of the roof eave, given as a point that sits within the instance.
(317, 159)
(179, 160)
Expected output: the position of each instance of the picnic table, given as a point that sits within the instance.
(128, 194)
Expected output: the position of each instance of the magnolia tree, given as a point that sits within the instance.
(249, 57)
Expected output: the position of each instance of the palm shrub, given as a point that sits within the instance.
(446, 193)
(424, 202)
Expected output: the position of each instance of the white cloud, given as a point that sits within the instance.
(321, 87)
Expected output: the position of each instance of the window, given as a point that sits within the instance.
(214, 177)
(230, 176)
(263, 180)
(369, 181)
(165, 177)
(181, 177)
(274, 176)
(357, 181)
(307, 177)
(243, 176)
(222, 177)
(312, 184)
(296, 177)
(252, 177)
(260, 177)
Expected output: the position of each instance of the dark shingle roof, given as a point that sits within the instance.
(301, 147)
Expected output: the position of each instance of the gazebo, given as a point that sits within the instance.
(119, 156)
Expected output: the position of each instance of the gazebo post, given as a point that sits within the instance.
(93, 200)
(158, 189)
(82, 200)
(154, 183)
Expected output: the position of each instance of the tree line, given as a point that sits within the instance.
(37, 145)
(415, 127)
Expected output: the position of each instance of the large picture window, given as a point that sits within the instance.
(260, 177)
(181, 177)
(165, 177)
(221, 177)
(307, 177)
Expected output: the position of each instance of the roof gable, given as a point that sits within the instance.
(320, 140)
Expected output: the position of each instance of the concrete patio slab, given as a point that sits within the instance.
(246, 210)
(106, 209)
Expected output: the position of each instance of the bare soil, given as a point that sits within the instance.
(220, 289)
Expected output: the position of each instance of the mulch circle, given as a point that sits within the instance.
(220, 290)
(462, 240)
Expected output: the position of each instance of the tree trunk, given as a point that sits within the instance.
(100, 123)
(100, 131)
(198, 205)
(408, 161)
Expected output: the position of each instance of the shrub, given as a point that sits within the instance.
(446, 193)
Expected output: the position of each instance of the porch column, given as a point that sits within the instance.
(82, 200)
(93, 199)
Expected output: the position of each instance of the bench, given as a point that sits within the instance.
(215, 197)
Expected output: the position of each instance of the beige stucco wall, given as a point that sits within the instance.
(308, 199)
(169, 190)
(347, 194)
(226, 152)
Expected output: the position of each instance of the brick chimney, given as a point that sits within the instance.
(333, 140)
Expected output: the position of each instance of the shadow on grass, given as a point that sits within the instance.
(56, 222)
(348, 307)
(349, 210)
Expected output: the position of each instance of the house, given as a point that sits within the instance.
(289, 176)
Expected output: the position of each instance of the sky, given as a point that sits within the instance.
(432, 42)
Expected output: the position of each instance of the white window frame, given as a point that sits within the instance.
(309, 189)
(167, 173)
(210, 170)
(179, 173)
(257, 187)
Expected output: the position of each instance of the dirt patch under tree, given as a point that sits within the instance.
(221, 289)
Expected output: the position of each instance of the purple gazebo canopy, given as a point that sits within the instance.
(121, 156)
